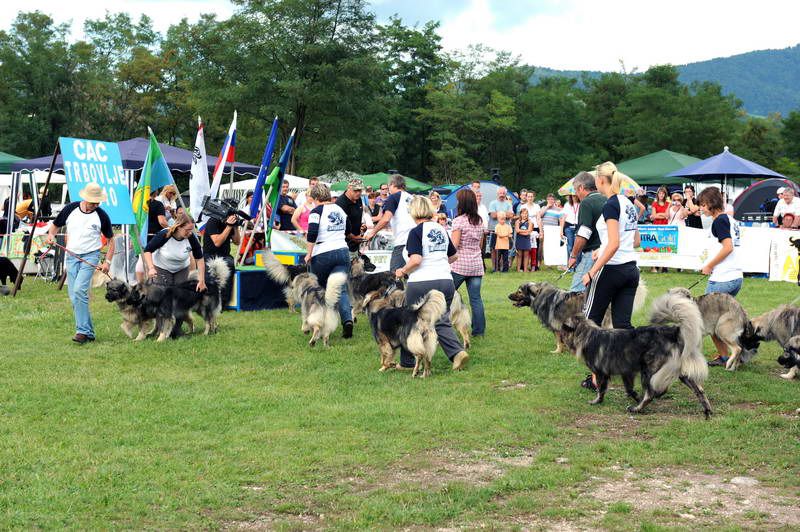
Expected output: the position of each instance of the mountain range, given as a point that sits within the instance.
(767, 81)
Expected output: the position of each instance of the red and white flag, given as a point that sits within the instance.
(226, 155)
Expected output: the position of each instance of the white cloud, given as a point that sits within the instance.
(164, 13)
(596, 35)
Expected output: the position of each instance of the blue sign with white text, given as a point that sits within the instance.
(87, 161)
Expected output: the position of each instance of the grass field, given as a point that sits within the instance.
(252, 429)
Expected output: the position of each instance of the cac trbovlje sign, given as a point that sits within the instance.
(94, 160)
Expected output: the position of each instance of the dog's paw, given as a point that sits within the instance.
(787, 376)
(632, 410)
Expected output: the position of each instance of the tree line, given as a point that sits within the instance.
(363, 96)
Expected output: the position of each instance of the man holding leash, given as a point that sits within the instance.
(85, 221)
(587, 239)
(395, 213)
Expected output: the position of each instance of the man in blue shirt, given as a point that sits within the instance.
(286, 207)
(501, 204)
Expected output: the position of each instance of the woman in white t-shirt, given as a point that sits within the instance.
(677, 213)
(724, 269)
(614, 276)
(169, 254)
(430, 253)
(569, 221)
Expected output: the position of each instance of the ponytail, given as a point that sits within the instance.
(609, 173)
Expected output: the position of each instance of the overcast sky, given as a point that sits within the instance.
(564, 34)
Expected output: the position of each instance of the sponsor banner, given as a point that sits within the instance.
(783, 256)
(553, 252)
(380, 259)
(96, 161)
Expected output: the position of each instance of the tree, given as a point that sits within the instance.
(37, 85)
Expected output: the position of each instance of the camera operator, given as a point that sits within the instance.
(217, 243)
(350, 202)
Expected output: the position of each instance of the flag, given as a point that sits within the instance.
(155, 174)
(198, 179)
(274, 180)
(226, 155)
(262, 172)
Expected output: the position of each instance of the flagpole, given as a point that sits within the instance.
(36, 214)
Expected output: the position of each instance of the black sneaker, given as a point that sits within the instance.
(347, 329)
(719, 361)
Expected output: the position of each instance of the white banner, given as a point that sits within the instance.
(553, 252)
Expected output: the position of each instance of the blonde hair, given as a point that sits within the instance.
(319, 192)
(609, 173)
(180, 220)
(169, 189)
(421, 208)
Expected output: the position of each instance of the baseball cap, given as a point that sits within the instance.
(356, 184)
(780, 190)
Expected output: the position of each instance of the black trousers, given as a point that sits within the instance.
(616, 286)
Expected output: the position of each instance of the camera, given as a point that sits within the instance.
(221, 209)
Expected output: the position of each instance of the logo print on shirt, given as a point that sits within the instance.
(336, 222)
(436, 240)
(630, 214)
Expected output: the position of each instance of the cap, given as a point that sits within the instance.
(781, 190)
(356, 184)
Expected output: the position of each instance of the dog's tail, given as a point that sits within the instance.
(640, 297)
(275, 270)
(674, 308)
(336, 282)
(219, 271)
(431, 307)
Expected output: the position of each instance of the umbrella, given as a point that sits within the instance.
(627, 187)
(723, 166)
(652, 169)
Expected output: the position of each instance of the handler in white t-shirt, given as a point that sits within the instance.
(85, 221)
(395, 215)
(788, 203)
(430, 253)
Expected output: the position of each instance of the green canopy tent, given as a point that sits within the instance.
(376, 180)
(6, 159)
(653, 168)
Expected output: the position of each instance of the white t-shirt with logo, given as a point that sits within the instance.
(84, 228)
(621, 209)
(724, 226)
(401, 222)
(327, 227)
(431, 241)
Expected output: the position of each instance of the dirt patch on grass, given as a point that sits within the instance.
(691, 498)
(438, 468)
(622, 426)
(505, 386)
(273, 520)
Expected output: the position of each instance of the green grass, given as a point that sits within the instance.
(252, 425)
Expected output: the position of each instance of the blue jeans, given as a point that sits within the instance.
(569, 232)
(323, 265)
(79, 279)
(475, 301)
(584, 264)
(725, 287)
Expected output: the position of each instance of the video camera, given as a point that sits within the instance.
(221, 209)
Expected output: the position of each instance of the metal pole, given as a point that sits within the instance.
(36, 214)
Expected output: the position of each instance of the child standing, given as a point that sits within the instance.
(503, 241)
(724, 270)
(524, 228)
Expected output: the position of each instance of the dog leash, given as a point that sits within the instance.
(695, 283)
(95, 266)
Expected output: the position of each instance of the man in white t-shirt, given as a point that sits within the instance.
(301, 196)
(85, 221)
(788, 203)
(483, 212)
(396, 215)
